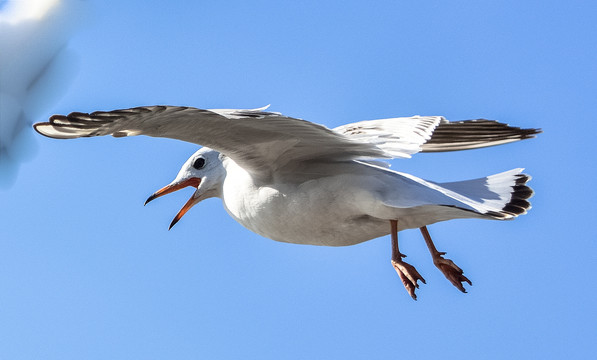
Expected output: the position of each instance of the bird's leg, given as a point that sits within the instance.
(450, 270)
(408, 274)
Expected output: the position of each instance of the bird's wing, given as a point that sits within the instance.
(473, 134)
(399, 137)
(404, 136)
(261, 142)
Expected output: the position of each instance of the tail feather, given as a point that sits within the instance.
(518, 203)
(501, 196)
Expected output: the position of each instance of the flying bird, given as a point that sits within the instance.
(295, 181)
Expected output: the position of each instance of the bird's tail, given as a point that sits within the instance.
(501, 196)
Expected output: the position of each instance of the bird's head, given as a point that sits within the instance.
(204, 171)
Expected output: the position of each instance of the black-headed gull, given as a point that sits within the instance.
(295, 181)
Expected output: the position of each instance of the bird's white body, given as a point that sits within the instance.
(341, 209)
(326, 211)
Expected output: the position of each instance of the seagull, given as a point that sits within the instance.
(299, 182)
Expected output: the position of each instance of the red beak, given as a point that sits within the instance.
(194, 182)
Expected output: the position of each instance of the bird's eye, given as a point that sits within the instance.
(199, 163)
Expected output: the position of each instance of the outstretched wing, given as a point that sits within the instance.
(473, 134)
(259, 141)
(402, 137)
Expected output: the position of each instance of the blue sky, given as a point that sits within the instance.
(87, 272)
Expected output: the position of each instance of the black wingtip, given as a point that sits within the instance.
(529, 133)
(473, 134)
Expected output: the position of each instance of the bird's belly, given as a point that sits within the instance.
(304, 216)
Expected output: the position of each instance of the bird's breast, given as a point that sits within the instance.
(315, 212)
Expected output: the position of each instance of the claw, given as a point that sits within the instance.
(452, 272)
(409, 276)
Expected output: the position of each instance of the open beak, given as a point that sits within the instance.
(194, 182)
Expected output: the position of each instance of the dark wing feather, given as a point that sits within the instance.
(473, 134)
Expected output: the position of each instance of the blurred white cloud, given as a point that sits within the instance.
(36, 68)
